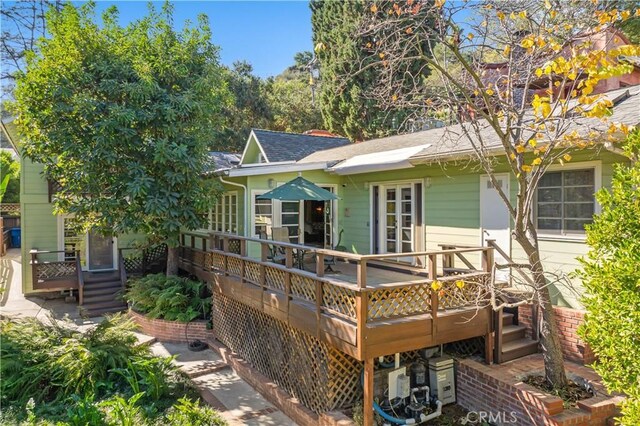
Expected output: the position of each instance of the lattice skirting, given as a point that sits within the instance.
(320, 376)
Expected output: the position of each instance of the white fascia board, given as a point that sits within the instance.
(266, 169)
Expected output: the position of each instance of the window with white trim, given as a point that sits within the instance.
(565, 201)
(223, 217)
(262, 216)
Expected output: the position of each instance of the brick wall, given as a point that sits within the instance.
(172, 331)
(568, 320)
(499, 394)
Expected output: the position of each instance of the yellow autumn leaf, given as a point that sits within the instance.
(527, 42)
(500, 15)
(625, 15)
(520, 149)
(439, 3)
(547, 4)
(381, 55)
(374, 8)
(523, 14)
(512, 156)
(507, 50)
(489, 92)
(436, 285)
(460, 284)
(533, 143)
(567, 157)
(553, 14)
(536, 161)
(526, 168)
(470, 36)
(539, 72)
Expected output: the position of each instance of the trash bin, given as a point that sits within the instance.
(15, 237)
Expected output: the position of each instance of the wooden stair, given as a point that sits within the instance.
(513, 343)
(102, 294)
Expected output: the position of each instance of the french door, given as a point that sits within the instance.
(397, 205)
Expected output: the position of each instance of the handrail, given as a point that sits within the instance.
(80, 279)
(495, 246)
(123, 272)
(329, 252)
(47, 251)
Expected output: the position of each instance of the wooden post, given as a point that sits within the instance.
(225, 244)
(489, 337)
(362, 313)
(287, 276)
(264, 252)
(319, 297)
(367, 405)
(497, 343)
(487, 259)
(362, 273)
(320, 264)
(243, 248)
(433, 275)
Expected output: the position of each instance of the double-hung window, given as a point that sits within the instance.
(565, 201)
(262, 217)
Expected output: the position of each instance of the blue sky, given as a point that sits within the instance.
(265, 33)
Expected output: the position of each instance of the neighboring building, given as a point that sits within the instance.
(415, 192)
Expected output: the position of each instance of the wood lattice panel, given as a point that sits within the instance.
(217, 261)
(303, 287)
(46, 271)
(252, 272)
(234, 266)
(274, 278)
(320, 376)
(387, 303)
(339, 299)
(452, 295)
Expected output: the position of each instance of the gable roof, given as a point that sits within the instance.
(218, 161)
(282, 146)
(451, 141)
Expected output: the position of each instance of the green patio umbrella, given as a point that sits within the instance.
(298, 189)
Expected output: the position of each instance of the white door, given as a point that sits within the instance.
(396, 219)
(495, 220)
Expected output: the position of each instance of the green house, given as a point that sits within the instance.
(415, 192)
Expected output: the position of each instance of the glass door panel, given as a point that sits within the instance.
(396, 226)
(100, 252)
(290, 219)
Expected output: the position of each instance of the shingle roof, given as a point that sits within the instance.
(451, 140)
(222, 160)
(281, 146)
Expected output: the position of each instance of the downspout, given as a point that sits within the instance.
(246, 203)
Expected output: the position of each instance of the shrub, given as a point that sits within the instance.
(612, 279)
(53, 374)
(171, 298)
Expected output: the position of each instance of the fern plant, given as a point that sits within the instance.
(171, 298)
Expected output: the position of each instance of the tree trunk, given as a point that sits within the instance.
(551, 350)
(172, 261)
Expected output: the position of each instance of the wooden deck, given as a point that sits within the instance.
(362, 310)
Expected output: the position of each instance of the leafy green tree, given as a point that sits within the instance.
(121, 117)
(291, 99)
(612, 279)
(249, 108)
(9, 178)
(348, 72)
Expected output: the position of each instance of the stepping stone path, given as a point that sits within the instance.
(237, 402)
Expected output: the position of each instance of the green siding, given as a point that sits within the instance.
(252, 151)
(39, 223)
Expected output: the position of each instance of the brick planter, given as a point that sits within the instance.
(498, 393)
(171, 331)
(568, 320)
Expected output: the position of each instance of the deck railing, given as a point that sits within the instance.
(49, 273)
(358, 301)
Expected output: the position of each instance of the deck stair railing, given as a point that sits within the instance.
(56, 269)
(356, 301)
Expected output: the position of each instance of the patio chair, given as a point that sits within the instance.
(330, 261)
(276, 253)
